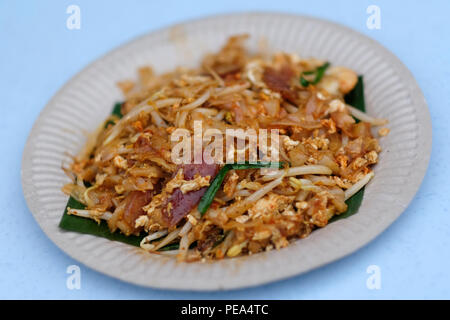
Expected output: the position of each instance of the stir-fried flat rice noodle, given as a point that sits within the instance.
(126, 176)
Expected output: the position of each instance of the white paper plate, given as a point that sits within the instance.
(391, 92)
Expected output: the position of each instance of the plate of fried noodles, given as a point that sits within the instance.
(228, 152)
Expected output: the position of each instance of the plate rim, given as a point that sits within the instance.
(402, 69)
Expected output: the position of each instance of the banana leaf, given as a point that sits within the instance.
(89, 226)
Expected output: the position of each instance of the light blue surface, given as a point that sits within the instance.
(38, 54)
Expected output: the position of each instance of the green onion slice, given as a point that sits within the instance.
(319, 72)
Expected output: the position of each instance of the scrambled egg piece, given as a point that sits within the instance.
(141, 221)
(372, 157)
(329, 124)
(120, 162)
(187, 185)
(273, 203)
(337, 105)
(176, 182)
(288, 143)
(301, 205)
(358, 163)
(383, 132)
(157, 200)
(318, 143)
(198, 183)
(342, 183)
(230, 185)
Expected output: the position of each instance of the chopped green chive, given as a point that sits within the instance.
(209, 195)
(304, 82)
(319, 72)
